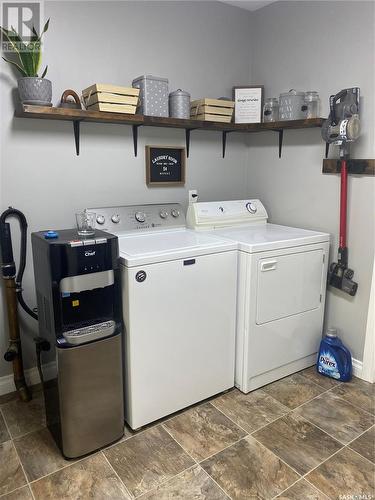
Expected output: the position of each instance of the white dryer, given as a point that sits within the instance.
(281, 289)
(179, 309)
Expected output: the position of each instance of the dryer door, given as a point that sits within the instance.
(288, 285)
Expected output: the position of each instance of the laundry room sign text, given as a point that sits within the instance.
(165, 165)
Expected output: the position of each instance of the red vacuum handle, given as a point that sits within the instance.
(343, 203)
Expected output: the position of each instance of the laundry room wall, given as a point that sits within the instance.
(322, 46)
(202, 47)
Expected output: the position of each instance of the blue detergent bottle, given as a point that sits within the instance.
(334, 359)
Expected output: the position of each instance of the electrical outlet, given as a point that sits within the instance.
(193, 195)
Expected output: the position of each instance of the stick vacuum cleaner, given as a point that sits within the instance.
(13, 294)
(341, 128)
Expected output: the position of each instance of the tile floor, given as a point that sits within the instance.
(304, 437)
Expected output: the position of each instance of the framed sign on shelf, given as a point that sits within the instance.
(165, 165)
(248, 105)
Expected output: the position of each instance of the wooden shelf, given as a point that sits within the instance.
(355, 166)
(79, 115)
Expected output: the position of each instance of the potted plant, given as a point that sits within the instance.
(27, 58)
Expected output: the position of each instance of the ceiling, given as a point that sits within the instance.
(249, 4)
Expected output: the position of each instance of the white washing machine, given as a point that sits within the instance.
(281, 289)
(179, 307)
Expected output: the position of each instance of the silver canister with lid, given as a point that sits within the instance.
(153, 95)
(292, 105)
(179, 104)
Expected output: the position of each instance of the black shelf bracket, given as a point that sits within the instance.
(76, 131)
(187, 140)
(224, 140)
(135, 139)
(281, 137)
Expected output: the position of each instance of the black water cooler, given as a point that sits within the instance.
(79, 311)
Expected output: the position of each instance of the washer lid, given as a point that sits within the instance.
(150, 248)
(258, 238)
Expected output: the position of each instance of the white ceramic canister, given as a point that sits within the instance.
(292, 105)
(179, 104)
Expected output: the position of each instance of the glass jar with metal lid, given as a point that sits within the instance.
(271, 110)
(312, 102)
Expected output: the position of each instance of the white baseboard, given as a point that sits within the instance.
(49, 370)
(31, 376)
(357, 368)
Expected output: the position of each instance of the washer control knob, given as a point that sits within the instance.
(115, 218)
(100, 219)
(140, 216)
(175, 213)
(163, 214)
(251, 207)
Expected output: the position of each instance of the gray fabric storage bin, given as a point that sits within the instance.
(153, 96)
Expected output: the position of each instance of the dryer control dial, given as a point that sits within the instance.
(251, 207)
(163, 214)
(115, 218)
(140, 216)
(175, 213)
(100, 219)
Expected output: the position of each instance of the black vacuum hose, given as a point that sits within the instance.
(7, 254)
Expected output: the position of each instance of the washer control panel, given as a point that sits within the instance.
(139, 217)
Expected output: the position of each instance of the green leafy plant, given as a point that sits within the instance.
(27, 55)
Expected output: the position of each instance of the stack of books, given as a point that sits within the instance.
(106, 97)
(212, 110)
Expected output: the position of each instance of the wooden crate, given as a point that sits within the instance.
(91, 99)
(212, 118)
(112, 108)
(112, 89)
(213, 110)
(106, 97)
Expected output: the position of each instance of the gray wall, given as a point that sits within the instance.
(201, 47)
(323, 46)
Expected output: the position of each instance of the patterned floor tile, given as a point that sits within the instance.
(249, 470)
(322, 380)
(298, 442)
(293, 391)
(250, 411)
(89, 478)
(4, 434)
(337, 417)
(302, 490)
(365, 444)
(13, 396)
(359, 393)
(148, 459)
(11, 474)
(193, 484)
(39, 454)
(203, 431)
(345, 475)
(24, 417)
(20, 494)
